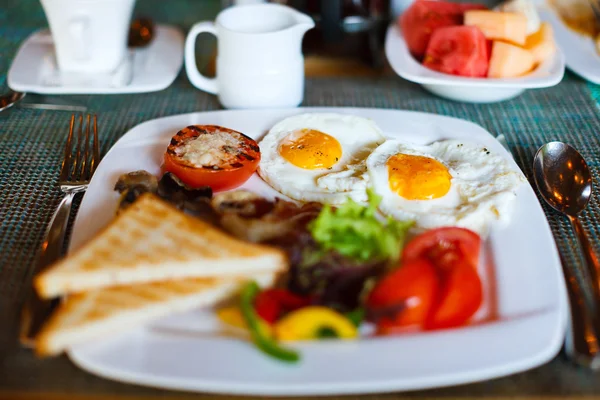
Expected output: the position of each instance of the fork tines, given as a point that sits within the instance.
(595, 4)
(81, 158)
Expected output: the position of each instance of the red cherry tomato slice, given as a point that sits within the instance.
(460, 297)
(267, 307)
(271, 304)
(210, 155)
(404, 297)
(444, 247)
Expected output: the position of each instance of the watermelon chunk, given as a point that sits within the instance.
(458, 50)
(422, 18)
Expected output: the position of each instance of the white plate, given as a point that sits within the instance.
(460, 88)
(150, 69)
(580, 51)
(521, 324)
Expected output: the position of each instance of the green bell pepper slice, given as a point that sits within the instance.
(260, 338)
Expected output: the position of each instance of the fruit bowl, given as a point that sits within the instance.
(466, 89)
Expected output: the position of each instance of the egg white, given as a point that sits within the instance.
(483, 186)
(357, 136)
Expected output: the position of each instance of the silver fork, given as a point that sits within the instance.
(595, 4)
(79, 163)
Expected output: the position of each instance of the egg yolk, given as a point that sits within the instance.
(310, 149)
(418, 177)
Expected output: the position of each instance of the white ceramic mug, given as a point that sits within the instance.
(89, 35)
(259, 60)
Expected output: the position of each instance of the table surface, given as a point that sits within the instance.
(30, 154)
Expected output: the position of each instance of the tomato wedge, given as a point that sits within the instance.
(444, 246)
(210, 155)
(460, 297)
(404, 297)
(454, 252)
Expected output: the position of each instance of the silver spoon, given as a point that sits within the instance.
(9, 99)
(565, 182)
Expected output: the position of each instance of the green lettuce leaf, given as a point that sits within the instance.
(354, 231)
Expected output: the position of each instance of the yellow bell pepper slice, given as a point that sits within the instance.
(307, 324)
(232, 316)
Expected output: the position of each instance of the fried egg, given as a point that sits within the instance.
(446, 183)
(319, 156)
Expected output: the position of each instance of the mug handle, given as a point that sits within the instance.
(200, 81)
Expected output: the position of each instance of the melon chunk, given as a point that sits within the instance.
(509, 61)
(525, 7)
(541, 44)
(508, 26)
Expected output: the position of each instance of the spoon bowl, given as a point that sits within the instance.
(9, 99)
(562, 177)
(565, 182)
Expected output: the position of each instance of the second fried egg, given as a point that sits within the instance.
(319, 156)
(446, 183)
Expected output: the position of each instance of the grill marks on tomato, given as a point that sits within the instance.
(212, 149)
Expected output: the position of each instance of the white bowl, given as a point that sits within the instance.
(460, 88)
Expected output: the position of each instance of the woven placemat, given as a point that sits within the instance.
(30, 154)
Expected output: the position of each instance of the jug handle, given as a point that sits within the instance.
(196, 78)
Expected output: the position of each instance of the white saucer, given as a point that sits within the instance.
(148, 69)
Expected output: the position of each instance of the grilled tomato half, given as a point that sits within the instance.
(210, 155)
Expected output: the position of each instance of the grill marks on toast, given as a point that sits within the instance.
(153, 241)
(90, 315)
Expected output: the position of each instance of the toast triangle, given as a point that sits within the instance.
(153, 241)
(96, 314)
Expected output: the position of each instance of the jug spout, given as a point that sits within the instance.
(303, 22)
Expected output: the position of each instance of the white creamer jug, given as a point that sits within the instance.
(259, 60)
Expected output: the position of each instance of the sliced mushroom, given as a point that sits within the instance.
(137, 179)
(255, 230)
(171, 187)
(242, 203)
(196, 201)
(132, 185)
